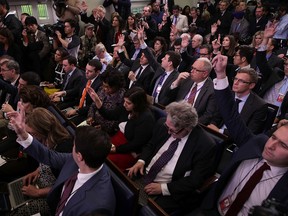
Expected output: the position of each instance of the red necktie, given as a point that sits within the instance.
(84, 94)
(68, 187)
(246, 191)
(192, 95)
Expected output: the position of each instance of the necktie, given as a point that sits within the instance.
(84, 93)
(246, 191)
(68, 187)
(175, 20)
(139, 72)
(159, 85)
(238, 101)
(192, 95)
(67, 80)
(161, 162)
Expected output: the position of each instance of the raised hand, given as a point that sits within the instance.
(121, 40)
(140, 33)
(185, 42)
(214, 28)
(219, 63)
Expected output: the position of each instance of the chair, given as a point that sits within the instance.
(271, 115)
(127, 194)
(158, 111)
(152, 209)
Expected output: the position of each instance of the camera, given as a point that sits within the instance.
(269, 207)
(51, 29)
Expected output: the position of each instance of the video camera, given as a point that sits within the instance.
(51, 29)
(269, 207)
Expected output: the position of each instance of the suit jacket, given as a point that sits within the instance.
(95, 85)
(241, 28)
(146, 76)
(89, 197)
(182, 23)
(163, 97)
(253, 113)
(7, 88)
(259, 26)
(193, 166)
(273, 61)
(205, 102)
(73, 86)
(251, 146)
(269, 76)
(226, 21)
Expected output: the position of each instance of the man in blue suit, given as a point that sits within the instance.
(253, 152)
(90, 150)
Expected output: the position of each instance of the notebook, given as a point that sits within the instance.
(11, 196)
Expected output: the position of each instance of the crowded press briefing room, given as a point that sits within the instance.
(143, 107)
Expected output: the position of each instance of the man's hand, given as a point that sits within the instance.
(140, 34)
(59, 35)
(185, 42)
(270, 30)
(132, 76)
(7, 108)
(219, 63)
(153, 189)
(214, 28)
(181, 76)
(121, 40)
(139, 166)
(216, 44)
(213, 127)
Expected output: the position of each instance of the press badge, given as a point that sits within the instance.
(225, 203)
(280, 97)
(158, 89)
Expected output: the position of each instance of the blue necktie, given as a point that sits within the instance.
(159, 84)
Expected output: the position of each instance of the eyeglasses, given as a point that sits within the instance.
(235, 79)
(172, 131)
(4, 70)
(197, 70)
(203, 54)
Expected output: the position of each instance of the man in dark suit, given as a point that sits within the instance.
(165, 73)
(69, 94)
(223, 18)
(36, 46)
(85, 165)
(251, 107)
(202, 99)
(191, 162)
(254, 151)
(259, 21)
(79, 113)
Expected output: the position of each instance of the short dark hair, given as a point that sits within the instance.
(93, 144)
(63, 52)
(12, 64)
(138, 97)
(5, 32)
(246, 51)
(113, 78)
(30, 20)
(177, 42)
(162, 42)
(251, 72)
(206, 46)
(95, 63)
(31, 78)
(71, 22)
(175, 7)
(5, 3)
(71, 60)
(174, 57)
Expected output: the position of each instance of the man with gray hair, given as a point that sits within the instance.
(177, 160)
(197, 89)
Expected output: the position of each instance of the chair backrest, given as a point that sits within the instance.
(152, 209)
(158, 112)
(271, 115)
(127, 195)
(69, 126)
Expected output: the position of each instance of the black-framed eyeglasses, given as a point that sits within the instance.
(235, 79)
(197, 70)
(172, 131)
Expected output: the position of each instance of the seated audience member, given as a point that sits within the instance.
(257, 39)
(196, 88)
(102, 55)
(83, 172)
(135, 128)
(274, 83)
(179, 20)
(187, 156)
(36, 47)
(253, 109)
(31, 97)
(111, 93)
(223, 18)
(149, 24)
(281, 31)
(259, 159)
(141, 73)
(44, 126)
(56, 71)
(160, 48)
(117, 63)
(71, 41)
(68, 94)
(258, 21)
(8, 45)
(87, 45)
(165, 73)
(79, 113)
(273, 60)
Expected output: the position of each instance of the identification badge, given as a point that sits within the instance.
(280, 97)
(158, 89)
(225, 203)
